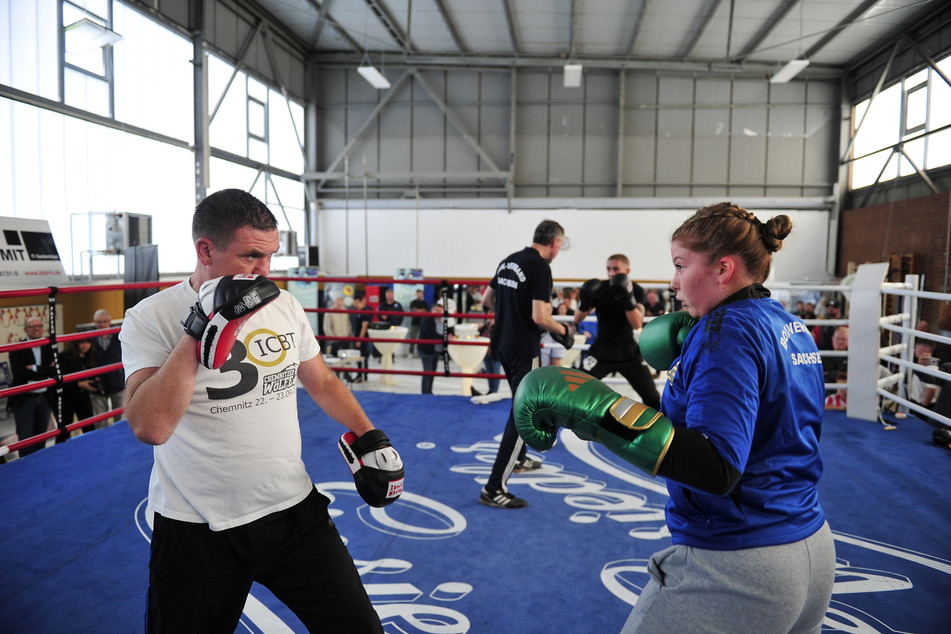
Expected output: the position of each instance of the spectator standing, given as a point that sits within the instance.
(32, 411)
(654, 305)
(337, 325)
(389, 303)
(834, 367)
(359, 324)
(108, 350)
(823, 334)
(78, 356)
(418, 305)
(429, 353)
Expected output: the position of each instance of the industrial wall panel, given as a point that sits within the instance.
(820, 144)
(640, 89)
(532, 87)
(673, 191)
(709, 166)
(747, 92)
(459, 154)
(674, 145)
(330, 86)
(175, 10)
(496, 87)
(674, 122)
(742, 191)
(673, 160)
(711, 128)
(221, 28)
(787, 122)
(711, 122)
(494, 131)
(640, 167)
(784, 161)
(747, 162)
(532, 143)
(680, 134)
(714, 91)
(793, 93)
(363, 155)
(599, 164)
(675, 91)
(567, 191)
(429, 138)
(395, 137)
(600, 87)
(458, 86)
(567, 139)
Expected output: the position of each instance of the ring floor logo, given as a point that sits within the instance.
(637, 503)
(627, 577)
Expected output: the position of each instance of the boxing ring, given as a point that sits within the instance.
(76, 537)
(877, 383)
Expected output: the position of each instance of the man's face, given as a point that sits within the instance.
(389, 297)
(556, 245)
(249, 252)
(832, 310)
(34, 329)
(840, 340)
(102, 321)
(615, 267)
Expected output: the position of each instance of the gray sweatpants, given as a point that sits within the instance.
(783, 588)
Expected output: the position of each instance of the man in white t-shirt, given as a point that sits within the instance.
(232, 499)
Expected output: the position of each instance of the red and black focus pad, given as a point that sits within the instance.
(224, 304)
(376, 466)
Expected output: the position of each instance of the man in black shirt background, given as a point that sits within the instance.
(520, 294)
(618, 303)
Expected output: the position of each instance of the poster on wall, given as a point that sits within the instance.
(305, 292)
(405, 293)
(28, 254)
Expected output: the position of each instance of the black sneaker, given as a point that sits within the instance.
(528, 464)
(501, 499)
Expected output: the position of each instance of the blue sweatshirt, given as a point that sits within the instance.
(750, 379)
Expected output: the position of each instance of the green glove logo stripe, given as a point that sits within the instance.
(575, 379)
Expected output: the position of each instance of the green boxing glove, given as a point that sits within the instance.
(553, 397)
(663, 337)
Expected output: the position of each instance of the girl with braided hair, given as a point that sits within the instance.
(752, 551)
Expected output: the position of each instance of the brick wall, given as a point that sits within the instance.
(915, 225)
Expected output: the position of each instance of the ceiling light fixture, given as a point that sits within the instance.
(792, 68)
(84, 36)
(374, 77)
(573, 75)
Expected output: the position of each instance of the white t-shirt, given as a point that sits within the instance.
(236, 454)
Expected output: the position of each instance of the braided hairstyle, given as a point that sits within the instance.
(727, 229)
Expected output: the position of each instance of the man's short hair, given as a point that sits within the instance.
(359, 296)
(222, 213)
(546, 232)
(620, 257)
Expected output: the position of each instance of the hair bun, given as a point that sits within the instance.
(774, 231)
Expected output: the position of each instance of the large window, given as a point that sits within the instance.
(108, 58)
(904, 126)
(252, 120)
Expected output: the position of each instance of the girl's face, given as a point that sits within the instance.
(84, 346)
(696, 280)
